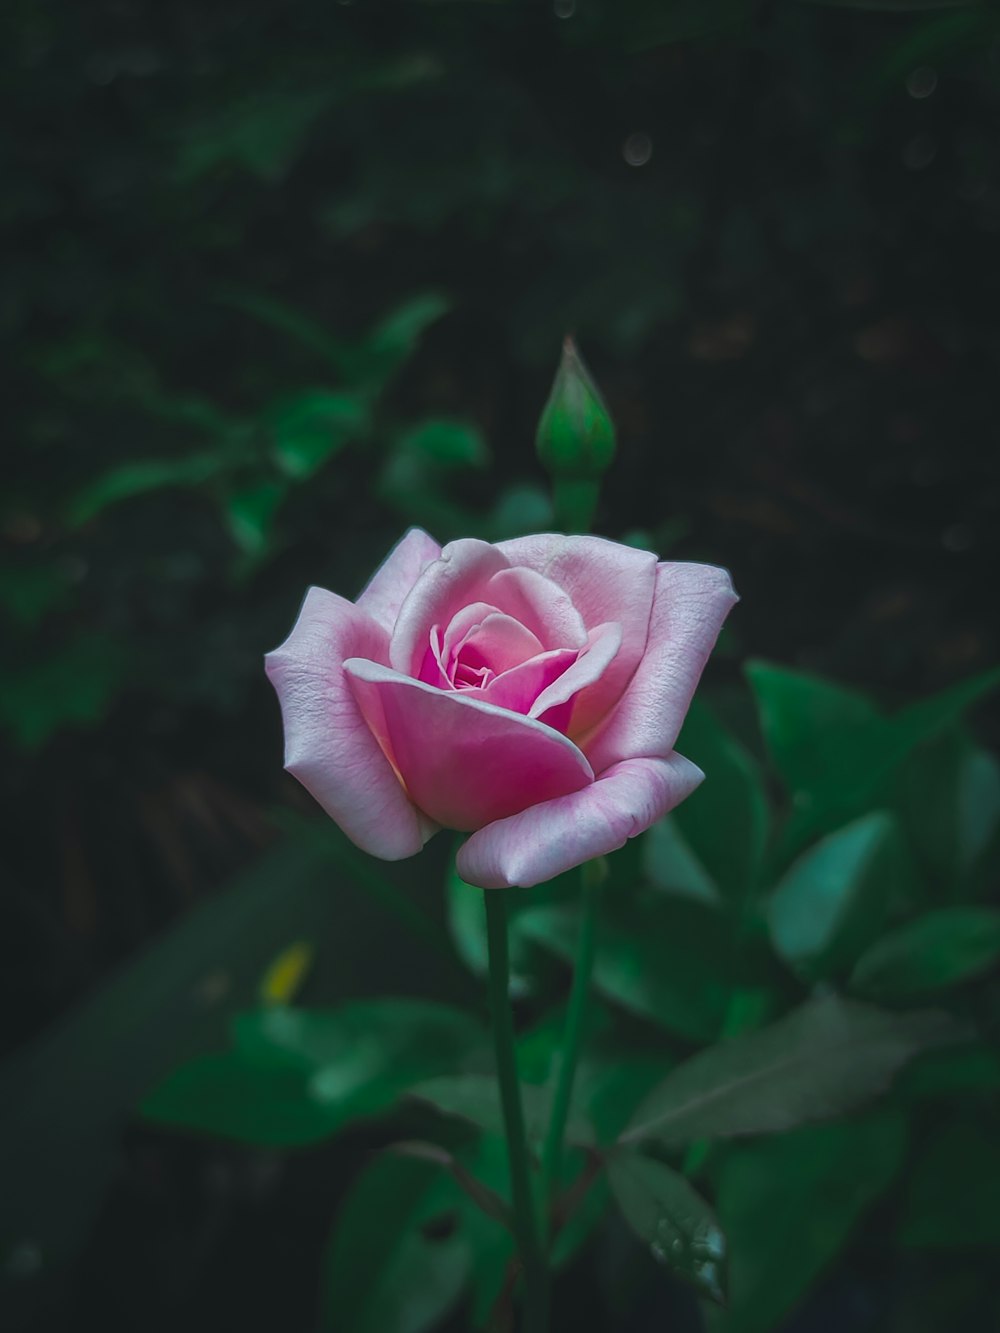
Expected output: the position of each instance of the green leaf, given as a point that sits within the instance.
(298, 1075)
(834, 750)
(73, 686)
(825, 740)
(227, 1096)
(488, 1201)
(731, 797)
(920, 721)
(397, 1261)
(670, 864)
(391, 343)
(301, 328)
(938, 950)
(360, 1042)
(608, 1091)
(820, 1061)
(28, 593)
(476, 1098)
(263, 132)
(788, 1206)
(835, 898)
(143, 476)
(250, 510)
(667, 960)
(446, 444)
(949, 793)
(311, 427)
(672, 1219)
(951, 1203)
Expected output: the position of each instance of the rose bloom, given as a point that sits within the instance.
(529, 693)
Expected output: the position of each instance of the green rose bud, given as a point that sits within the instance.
(575, 440)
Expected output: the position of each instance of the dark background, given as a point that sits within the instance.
(281, 280)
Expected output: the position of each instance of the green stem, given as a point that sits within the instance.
(574, 502)
(592, 872)
(536, 1278)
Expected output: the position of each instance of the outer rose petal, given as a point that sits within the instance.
(328, 745)
(387, 588)
(547, 839)
(606, 582)
(464, 762)
(690, 605)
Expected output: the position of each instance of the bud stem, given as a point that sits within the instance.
(575, 503)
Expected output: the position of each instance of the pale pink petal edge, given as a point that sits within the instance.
(329, 747)
(548, 839)
(388, 587)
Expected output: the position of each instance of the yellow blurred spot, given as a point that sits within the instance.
(285, 975)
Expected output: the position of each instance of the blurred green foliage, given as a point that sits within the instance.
(286, 279)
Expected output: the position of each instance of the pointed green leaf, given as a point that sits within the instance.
(835, 898)
(949, 795)
(935, 951)
(669, 862)
(309, 428)
(666, 960)
(296, 1075)
(832, 747)
(672, 1219)
(226, 1096)
(824, 739)
(732, 796)
(446, 444)
(360, 1039)
(250, 510)
(820, 1061)
(476, 1098)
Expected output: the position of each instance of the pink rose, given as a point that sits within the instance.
(529, 693)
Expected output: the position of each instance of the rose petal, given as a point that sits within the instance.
(690, 605)
(461, 624)
(328, 745)
(518, 688)
(545, 608)
(602, 645)
(545, 840)
(499, 643)
(386, 590)
(465, 762)
(444, 588)
(606, 582)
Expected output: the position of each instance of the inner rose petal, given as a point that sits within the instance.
(539, 604)
(446, 585)
(499, 643)
(518, 688)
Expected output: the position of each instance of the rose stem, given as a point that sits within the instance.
(525, 1220)
(591, 875)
